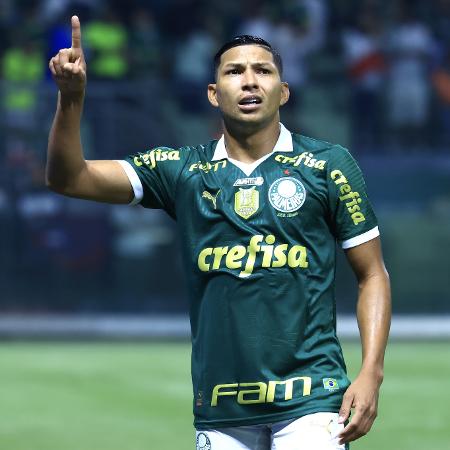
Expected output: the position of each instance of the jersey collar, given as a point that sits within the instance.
(283, 144)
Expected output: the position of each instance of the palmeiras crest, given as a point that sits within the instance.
(203, 442)
(246, 202)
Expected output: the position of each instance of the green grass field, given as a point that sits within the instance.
(138, 396)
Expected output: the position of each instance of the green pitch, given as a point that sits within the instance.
(138, 397)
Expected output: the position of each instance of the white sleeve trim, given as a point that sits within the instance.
(134, 180)
(361, 239)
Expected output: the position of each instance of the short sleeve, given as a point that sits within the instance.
(154, 177)
(353, 220)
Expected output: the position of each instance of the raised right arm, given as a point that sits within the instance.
(67, 172)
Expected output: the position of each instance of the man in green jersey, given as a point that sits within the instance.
(259, 212)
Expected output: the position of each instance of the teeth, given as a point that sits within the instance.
(250, 101)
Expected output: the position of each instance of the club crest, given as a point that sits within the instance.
(203, 442)
(287, 194)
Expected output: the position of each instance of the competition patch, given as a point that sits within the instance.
(246, 202)
(287, 194)
(203, 442)
(255, 181)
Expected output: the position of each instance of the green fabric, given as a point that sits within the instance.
(261, 277)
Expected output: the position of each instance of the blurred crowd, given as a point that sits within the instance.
(392, 56)
(370, 74)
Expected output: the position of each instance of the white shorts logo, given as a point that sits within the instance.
(287, 194)
(203, 442)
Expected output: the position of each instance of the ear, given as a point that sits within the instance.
(212, 95)
(284, 93)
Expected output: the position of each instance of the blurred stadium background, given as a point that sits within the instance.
(371, 75)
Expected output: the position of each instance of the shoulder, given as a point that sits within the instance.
(200, 152)
(302, 142)
(329, 153)
(317, 146)
(313, 153)
(156, 155)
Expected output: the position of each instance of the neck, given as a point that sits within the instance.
(248, 145)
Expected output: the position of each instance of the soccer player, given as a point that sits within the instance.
(259, 213)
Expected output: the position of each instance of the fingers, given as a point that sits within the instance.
(64, 56)
(66, 62)
(70, 77)
(56, 71)
(347, 403)
(68, 67)
(75, 69)
(360, 424)
(76, 33)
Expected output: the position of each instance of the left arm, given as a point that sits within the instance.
(374, 316)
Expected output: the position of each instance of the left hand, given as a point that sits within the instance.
(362, 396)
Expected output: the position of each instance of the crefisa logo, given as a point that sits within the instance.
(287, 194)
(203, 442)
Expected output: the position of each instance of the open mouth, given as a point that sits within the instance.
(250, 103)
(253, 100)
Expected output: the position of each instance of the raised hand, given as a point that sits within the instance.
(68, 67)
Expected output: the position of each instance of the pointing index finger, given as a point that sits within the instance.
(76, 32)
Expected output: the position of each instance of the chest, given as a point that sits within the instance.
(277, 197)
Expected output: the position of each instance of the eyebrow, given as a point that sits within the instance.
(255, 64)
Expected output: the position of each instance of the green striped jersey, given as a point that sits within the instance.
(259, 247)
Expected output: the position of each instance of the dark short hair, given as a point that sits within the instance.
(246, 39)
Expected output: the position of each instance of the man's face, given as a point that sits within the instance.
(248, 88)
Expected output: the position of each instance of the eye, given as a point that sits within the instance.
(263, 71)
(232, 72)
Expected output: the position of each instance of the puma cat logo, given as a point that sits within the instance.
(211, 197)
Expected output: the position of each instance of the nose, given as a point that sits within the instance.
(249, 80)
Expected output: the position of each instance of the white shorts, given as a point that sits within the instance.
(311, 432)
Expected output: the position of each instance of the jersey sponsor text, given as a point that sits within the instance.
(207, 167)
(258, 391)
(152, 158)
(351, 199)
(304, 158)
(245, 258)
